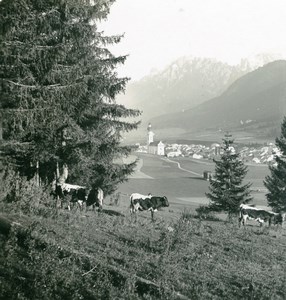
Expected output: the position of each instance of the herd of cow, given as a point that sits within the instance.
(76, 195)
(81, 196)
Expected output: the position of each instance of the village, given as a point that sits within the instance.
(263, 154)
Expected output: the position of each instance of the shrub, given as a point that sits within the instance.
(17, 194)
(205, 213)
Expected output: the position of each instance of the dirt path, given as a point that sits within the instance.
(179, 166)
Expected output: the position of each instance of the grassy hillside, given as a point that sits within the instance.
(74, 255)
(52, 253)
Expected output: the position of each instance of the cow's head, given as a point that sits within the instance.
(165, 201)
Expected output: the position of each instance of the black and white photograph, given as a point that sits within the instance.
(142, 150)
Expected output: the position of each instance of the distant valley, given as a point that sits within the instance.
(204, 95)
(256, 103)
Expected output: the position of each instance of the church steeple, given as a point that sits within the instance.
(150, 134)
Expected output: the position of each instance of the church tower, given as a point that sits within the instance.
(150, 135)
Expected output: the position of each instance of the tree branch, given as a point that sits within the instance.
(51, 86)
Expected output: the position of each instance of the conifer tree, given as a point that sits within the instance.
(58, 87)
(276, 181)
(227, 190)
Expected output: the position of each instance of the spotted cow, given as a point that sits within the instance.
(151, 203)
(260, 215)
(71, 194)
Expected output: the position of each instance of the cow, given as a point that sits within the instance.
(73, 194)
(152, 203)
(135, 196)
(260, 215)
(95, 198)
(139, 196)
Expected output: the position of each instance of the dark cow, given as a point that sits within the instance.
(259, 215)
(150, 204)
(95, 198)
(79, 197)
(72, 194)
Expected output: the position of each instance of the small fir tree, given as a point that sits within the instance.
(276, 181)
(227, 191)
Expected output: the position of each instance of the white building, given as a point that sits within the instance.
(154, 147)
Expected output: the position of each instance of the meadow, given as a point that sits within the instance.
(57, 254)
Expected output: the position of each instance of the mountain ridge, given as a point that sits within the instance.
(258, 96)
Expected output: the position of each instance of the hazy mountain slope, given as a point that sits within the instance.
(183, 84)
(257, 97)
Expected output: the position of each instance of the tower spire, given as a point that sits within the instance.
(150, 134)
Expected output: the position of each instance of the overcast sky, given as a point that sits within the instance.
(160, 31)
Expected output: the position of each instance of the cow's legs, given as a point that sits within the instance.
(239, 221)
(152, 215)
(80, 204)
(242, 220)
(260, 221)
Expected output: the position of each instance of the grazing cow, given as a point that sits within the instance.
(135, 196)
(139, 196)
(73, 194)
(260, 215)
(95, 198)
(152, 204)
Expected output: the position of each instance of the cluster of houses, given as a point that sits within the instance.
(259, 155)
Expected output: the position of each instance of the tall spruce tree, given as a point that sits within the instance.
(58, 89)
(276, 181)
(227, 190)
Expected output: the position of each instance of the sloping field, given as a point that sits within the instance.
(183, 184)
(75, 255)
(57, 254)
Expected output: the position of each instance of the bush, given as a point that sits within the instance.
(17, 194)
(205, 213)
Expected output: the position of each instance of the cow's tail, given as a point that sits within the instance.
(131, 208)
(240, 216)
